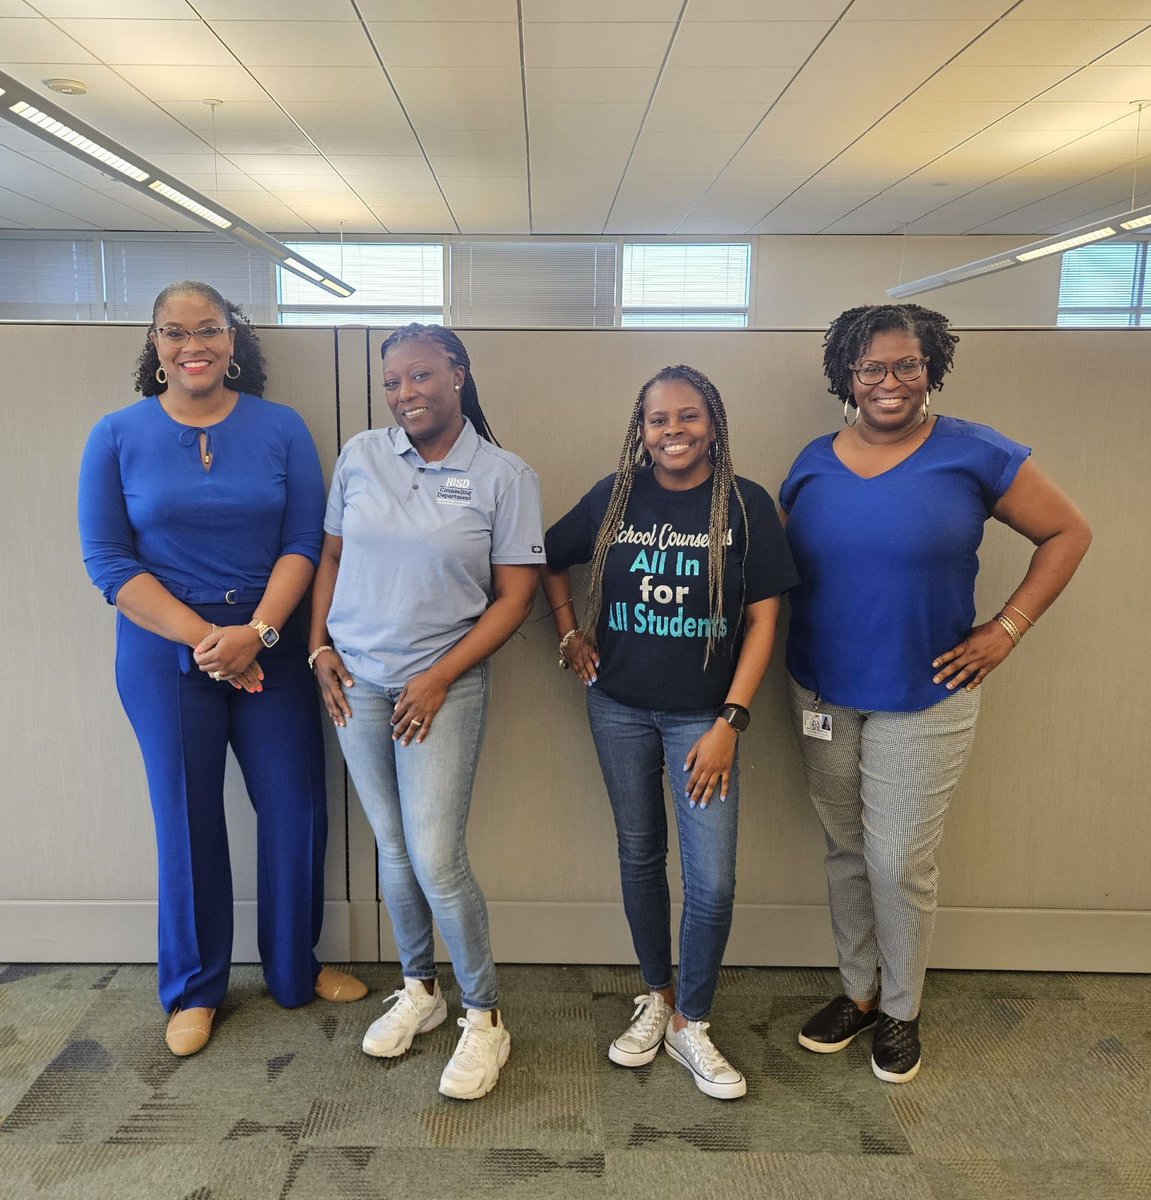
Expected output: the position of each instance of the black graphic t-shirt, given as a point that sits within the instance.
(655, 618)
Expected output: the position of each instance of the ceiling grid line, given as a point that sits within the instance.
(990, 125)
(524, 98)
(646, 114)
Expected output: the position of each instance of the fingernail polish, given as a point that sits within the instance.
(691, 804)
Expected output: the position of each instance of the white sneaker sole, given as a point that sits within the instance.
(831, 1047)
(892, 1077)
(501, 1060)
(433, 1020)
(718, 1091)
(632, 1058)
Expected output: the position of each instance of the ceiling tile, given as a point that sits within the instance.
(243, 128)
(584, 129)
(438, 10)
(764, 10)
(262, 165)
(296, 43)
(274, 10)
(958, 116)
(1066, 115)
(399, 191)
(448, 166)
(1072, 10)
(1039, 43)
(474, 142)
(460, 44)
(602, 10)
(746, 43)
(485, 113)
(914, 10)
(674, 115)
(1102, 82)
(1135, 52)
(364, 168)
(575, 85)
(350, 85)
(595, 45)
(170, 83)
(432, 218)
(990, 83)
(693, 149)
(149, 42)
(718, 85)
(25, 41)
(144, 10)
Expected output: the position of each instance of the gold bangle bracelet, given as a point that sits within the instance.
(1012, 629)
(567, 637)
(1020, 611)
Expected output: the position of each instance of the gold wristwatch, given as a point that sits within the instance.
(268, 635)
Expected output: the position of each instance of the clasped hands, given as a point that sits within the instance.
(229, 653)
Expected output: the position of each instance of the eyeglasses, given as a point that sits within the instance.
(175, 336)
(905, 370)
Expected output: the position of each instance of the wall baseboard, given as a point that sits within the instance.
(763, 935)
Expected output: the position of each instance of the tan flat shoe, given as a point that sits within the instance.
(189, 1030)
(339, 986)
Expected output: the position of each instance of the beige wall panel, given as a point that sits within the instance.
(1051, 815)
(804, 282)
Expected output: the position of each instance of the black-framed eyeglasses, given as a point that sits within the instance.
(176, 336)
(905, 370)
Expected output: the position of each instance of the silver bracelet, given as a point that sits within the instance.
(567, 637)
(316, 654)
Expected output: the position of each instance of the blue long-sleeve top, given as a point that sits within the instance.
(147, 504)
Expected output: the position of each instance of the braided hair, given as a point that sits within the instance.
(851, 332)
(634, 456)
(246, 352)
(451, 345)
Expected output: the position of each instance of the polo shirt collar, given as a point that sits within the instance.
(458, 458)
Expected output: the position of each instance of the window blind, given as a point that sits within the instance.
(395, 282)
(533, 284)
(1103, 285)
(50, 279)
(136, 270)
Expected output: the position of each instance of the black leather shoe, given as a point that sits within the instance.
(835, 1025)
(895, 1056)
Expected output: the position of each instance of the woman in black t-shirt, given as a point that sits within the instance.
(687, 565)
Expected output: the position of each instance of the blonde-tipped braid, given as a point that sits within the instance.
(724, 486)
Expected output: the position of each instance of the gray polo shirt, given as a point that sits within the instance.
(420, 540)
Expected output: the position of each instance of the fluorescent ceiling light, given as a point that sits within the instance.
(29, 111)
(1097, 231)
(193, 206)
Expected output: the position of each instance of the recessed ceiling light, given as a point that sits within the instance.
(67, 87)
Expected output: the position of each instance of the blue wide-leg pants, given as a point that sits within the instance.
(184, 723)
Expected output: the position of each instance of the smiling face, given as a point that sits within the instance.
(195, 368)
(677, 432)
(422, 389)
(890, 406)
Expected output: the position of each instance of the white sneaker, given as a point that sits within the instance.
(639, 1042)
(415, 1011)
(714, 1075)
(483, 1048)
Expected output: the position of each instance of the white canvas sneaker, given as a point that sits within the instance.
(414, 1011)
(483, 1048)
(714, 1075)
(639, 1042)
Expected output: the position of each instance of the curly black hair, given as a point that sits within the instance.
(246, 352)
(457, 353)
(851, 332)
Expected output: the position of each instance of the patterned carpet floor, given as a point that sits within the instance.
(1034, 1087)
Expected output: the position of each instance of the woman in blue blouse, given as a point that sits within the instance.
(885, 656)
(201, 511)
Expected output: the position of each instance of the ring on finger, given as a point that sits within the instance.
(416, 722)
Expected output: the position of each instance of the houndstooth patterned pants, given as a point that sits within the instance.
(881, 788)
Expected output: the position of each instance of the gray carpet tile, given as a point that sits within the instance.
(1035, 1087)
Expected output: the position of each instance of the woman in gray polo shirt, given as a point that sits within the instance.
(432, 538)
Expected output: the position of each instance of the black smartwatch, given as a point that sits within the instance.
(736, 716)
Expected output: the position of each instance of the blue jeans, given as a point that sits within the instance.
(633, 745)
(417, 798)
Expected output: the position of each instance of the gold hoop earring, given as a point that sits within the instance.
(846, 422)
(161, 375)
(239, 370)
(927, 406)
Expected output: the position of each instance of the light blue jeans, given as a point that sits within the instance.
(417, 798)
(635, 745)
